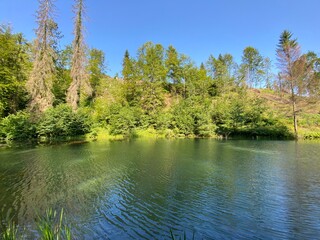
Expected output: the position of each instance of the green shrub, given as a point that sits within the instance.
(17, 127)
(62, 121)
(122, 120)
(311, 135)
(193, 117)
(309, 120)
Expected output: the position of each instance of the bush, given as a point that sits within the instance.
(17, 127)
(309, 120)
(311, 135)
(122, 120)
(62, 121)
(192, 117)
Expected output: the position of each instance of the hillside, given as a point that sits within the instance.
(308, 110)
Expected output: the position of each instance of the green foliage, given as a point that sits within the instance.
(197, 81)
(192, 118)
(162, 93)
(14, 68)
(173, 63)
(151, 63)
(252, 67)
(222, 71)
(61, 121)
(309, 120)
(17, 127)
(311, 135)
(128, 67)
(240, 114)
(96, 68)
(52, 227)
(122, 120)
(62, 79)
(152, 98)
(10, 232)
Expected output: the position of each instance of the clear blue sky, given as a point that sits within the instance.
(196, 28)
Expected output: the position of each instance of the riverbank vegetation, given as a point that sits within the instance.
(50, 226)
(47, 92)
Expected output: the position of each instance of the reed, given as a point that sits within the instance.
(51, 226)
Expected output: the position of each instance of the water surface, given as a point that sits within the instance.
(142, 189)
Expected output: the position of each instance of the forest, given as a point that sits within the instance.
(48, 92)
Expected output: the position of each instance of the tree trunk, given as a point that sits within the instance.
(295, 120)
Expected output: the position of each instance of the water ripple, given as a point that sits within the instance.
(144, 190)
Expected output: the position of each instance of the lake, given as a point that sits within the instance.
(143, 189)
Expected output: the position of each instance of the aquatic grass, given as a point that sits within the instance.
(52, 227)
(10, 232)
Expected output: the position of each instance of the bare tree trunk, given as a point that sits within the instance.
(295, 120)
(80, 80)
(39, 84)
(294, 110)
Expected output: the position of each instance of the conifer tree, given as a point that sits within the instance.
(39, 84)
(173, 63)
(222, 71)
(80, 78)
(293, 70)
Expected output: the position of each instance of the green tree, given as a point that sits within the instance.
(268, 75)
(96, 68)
(313, 85)
(222, 71)
(63, 79)
(173, 64)
(43, 73)
(198, 84)
(152, 77)
(130, 76)
(151, 63)
(80, 84)
(252, 67)
(128, 67)
(14, 69)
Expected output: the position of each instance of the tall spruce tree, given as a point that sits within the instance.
(41, 78)
(80, 78)
(292, 69)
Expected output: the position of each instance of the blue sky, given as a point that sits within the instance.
(195, 28)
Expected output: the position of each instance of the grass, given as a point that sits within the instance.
(10, 232)
(51, 226)
(100, 133)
